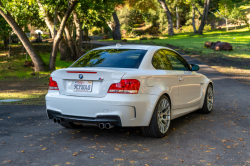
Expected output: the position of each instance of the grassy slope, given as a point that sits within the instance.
(239, 38)
(16, 81)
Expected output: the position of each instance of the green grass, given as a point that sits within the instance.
(14, 78)
(239, 38)
(13, 67)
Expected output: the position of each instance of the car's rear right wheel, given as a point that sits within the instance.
(208, 101)
(160, 120)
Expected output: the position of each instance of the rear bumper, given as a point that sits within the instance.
(99, 119)
(131, 109)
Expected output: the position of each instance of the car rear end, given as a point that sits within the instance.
(95, 90)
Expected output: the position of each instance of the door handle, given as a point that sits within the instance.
(180, 79)
(202, 83)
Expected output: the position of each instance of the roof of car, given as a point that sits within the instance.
(120, 46)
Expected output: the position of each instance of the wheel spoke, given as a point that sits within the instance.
(163, 115)
(209, 98)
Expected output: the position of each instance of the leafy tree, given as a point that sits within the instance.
(229, 11)
(6, 6)
(169, 16)
(5, 31)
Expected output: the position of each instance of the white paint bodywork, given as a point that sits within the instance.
(186, 90)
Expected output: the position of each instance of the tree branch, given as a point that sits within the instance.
(196, 9)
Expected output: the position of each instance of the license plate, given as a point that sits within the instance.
(83, 86)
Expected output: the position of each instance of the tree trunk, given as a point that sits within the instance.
(116, 27)
(177, 18)
(63, 47)
(170, 22)
(78, 30)
(226, 25)
(64, 50)
(6, 42)
(36, 59)
(193, 18)
(48, 19)
(59, 34)
(86, 32)
(71, 43)
(204, 17)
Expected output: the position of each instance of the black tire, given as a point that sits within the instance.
(153, 129)
(206, 108)
(69, 125)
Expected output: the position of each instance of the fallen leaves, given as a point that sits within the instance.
(44, 149)
(224, 140)
(22, 151)
(117, 159)
(92, 157)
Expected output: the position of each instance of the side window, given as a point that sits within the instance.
(161, 62)
(177, 61)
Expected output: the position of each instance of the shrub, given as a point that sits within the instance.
(95, 32)
(45, 36)
(207, 27)
(143, 38)
(187, 28)
(154, 37)
(32, 38)
(136, 25)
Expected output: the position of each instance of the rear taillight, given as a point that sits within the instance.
(52, 84)
(130, 86)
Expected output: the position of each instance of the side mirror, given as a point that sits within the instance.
(195, 67)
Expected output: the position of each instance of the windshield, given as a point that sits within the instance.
(117, 58)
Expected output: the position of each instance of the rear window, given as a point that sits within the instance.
(117, 58)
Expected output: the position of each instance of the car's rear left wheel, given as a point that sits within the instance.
(160, 120)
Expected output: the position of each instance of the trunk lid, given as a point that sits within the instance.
(100, 79)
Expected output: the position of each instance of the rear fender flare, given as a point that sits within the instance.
(163, 93)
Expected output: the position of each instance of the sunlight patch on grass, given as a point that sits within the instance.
(19, 95)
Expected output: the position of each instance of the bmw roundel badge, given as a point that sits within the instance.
(80, 76)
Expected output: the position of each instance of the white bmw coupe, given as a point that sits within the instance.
(128, 85)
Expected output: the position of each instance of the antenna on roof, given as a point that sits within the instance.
(118, 45)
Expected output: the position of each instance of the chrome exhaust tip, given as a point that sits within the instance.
(109, 126)
(59, 120)
(101, 125)
(55, 120)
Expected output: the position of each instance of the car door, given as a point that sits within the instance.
(189, 81)
(167, 78)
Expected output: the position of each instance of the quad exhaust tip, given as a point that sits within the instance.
(102, 126)
(109, 126)
(57, 120)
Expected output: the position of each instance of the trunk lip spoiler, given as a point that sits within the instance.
(81, 72)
